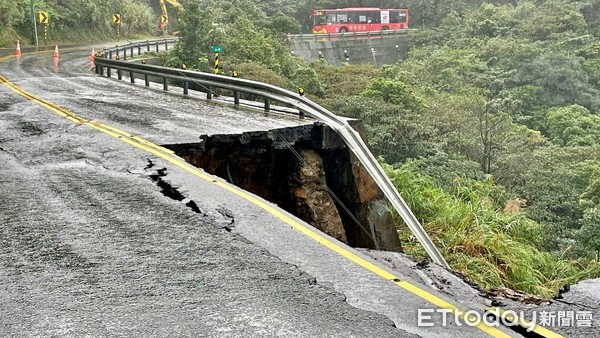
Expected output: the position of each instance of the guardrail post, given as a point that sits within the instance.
(119, 75)
(124, 53)
(110, 54)
(147, 45)
(185, 87)
(139, 50)
(157, 47)
(166, 45)
(132, 79)
(267, 104)
(209, 93)
(165, 83)
(236, 98)
(146, 80)
(131, 51)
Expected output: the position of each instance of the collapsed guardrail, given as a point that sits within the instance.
(105, 64)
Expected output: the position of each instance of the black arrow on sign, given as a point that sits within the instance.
(43, 17)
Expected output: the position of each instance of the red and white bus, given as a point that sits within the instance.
(358, 20)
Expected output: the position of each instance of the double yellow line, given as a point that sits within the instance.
(170, 156)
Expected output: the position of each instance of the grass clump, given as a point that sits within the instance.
(491, 247)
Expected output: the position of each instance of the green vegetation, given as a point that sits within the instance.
(490, 123)
(490, 126)
(75, 20)
(491, 247)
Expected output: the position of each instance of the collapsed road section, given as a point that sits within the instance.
(145, 263)
(298, 101)
(306, 170)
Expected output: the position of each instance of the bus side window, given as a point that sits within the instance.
(331, 18)
(353, 17)
(402, 17)
(373, 17)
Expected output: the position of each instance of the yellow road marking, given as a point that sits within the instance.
(532, 326)
(169, 156)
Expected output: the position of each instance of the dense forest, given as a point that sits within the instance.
(489, 128)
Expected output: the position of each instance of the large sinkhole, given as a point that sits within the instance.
(306, 170)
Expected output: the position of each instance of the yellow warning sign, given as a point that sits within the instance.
(43, 17)
(116, 19)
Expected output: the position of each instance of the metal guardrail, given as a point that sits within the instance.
(146, 46)
(270, 92)
(348, 35)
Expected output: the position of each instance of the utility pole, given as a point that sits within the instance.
(34, 22)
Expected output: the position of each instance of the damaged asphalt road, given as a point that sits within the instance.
(101, 238)
(90, 245)
(93, 244)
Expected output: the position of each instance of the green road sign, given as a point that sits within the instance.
(216, 49)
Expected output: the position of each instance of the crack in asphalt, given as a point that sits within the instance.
(169, 190)
(574, 304)
(8, 152)
(227, 214)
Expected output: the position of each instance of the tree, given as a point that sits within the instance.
(562, 79)
(245, 42)
(589, 234)
(392, 91)
(12, 13)
(477, 127)
(591, 195)
(393, 132)
(281, 25)
(197, 34)
(308, 79)
(553, 186)
(573, 126)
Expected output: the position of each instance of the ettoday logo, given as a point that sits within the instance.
(494, 317)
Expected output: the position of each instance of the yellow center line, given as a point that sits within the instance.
(168, 155)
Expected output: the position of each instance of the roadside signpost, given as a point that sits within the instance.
(43, 18)
(116, 19)
(216, 49)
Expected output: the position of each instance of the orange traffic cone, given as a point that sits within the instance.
(93, 53)
(56, 51)
(18, 52)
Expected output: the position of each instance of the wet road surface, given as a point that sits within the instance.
(91, 245)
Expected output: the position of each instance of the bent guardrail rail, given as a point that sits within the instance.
(270, 92)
